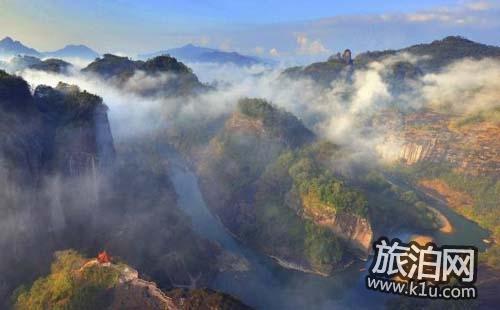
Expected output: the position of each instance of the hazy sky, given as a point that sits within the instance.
(283, 29)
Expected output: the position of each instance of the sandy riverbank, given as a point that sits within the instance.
(444, 223)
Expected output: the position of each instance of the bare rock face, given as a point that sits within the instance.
(431, 137)
(81, 137)
(79, 283)
(347, 56)
(135, 293)
(21, 132)
(354, 229)
(129, 291)
(412, 152)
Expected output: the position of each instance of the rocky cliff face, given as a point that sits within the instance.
(81, 140)
(46, 139)
(47, 130)
(64, 185)
(21, 133)
(427, 136)
(421, 150)
(354, 229)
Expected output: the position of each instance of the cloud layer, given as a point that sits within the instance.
(337, 113)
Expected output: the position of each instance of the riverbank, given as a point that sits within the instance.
(421, 239)
(454, 199)
(458, 201)
(444, 223)
(464, 229)
(292, 266)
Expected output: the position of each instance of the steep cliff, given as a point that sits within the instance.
(67, 184)
(22, 134)
(22, 223)
(355, 229)
(456, 158)
(427, 136)
(77, 121)
(42, 136)
(244, 175)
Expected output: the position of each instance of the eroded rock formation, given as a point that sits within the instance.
(426, 136)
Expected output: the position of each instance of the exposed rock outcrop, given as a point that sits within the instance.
(81, 139)
(426, 136)
(21, 132)
(354, 229)
(132, 292)
(347, 56)
(412, 153)
(77, 282)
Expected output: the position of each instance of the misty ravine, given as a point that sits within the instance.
(137, 111)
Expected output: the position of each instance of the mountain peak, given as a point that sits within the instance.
(7, 40)
(193, 53)
(80, 46)
(75, 50)
(11, 47)
(454, 40)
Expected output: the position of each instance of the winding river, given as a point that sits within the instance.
(268, 286)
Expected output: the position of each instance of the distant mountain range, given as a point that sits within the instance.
(11, 47)
(192, 53)
(80, 51)
(187, 53)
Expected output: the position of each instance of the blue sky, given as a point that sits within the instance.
(281, 29)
